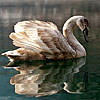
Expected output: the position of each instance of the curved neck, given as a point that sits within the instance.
(73, 42)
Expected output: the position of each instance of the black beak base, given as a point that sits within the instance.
(85, 33)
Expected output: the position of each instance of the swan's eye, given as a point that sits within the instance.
(81, 21)
(86, 22)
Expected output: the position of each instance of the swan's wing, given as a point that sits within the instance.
(40, 37)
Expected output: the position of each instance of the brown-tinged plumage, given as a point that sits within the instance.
(39, 40)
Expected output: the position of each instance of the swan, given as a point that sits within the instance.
(39, 40)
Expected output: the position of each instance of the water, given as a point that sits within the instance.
(51, 80)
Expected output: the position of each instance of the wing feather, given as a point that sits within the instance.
(39, 36)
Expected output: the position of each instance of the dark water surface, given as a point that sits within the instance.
(77, 79)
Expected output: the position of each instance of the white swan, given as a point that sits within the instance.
(42, 40)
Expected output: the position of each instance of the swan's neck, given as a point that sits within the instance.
(73, 42)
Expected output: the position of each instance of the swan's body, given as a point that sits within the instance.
(42, 40)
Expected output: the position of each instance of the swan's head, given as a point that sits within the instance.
(82, 23)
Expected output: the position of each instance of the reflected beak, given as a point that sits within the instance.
(85, 32)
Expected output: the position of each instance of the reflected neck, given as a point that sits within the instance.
(73, 42)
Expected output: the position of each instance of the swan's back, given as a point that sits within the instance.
(43, 38)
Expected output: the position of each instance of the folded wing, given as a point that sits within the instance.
(40, 37)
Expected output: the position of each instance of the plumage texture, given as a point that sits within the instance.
(42, 40)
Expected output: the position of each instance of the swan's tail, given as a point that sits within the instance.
(12, 55)
(23, 55)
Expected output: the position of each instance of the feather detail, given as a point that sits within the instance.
(41, 37)
(23, 54)
(44, 40)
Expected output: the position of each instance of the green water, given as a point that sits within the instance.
(77, 79)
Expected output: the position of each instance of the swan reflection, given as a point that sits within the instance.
(41, 78)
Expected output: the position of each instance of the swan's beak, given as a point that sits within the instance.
(85, 32)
